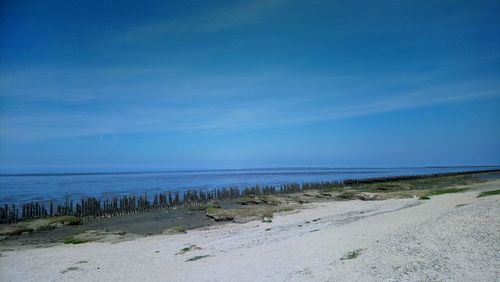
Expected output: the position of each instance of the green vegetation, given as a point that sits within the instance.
(437, 182)
(249, 201)
(331, 188)
(219, 214)
(298, 198)
(55, 220)
(267, 214)
(71, 268)
(203, 207)
(435, 192)
(347, 195)
(442, 181)
(38, 224)
(75, 240)
(179, 229)
(213, 209)
(66, 220)
(352, 255)
(14, 230)
(197, 258)
(423, 187)
(489, 193)
(270, 200)
(245, 213)
(259, 200)
(267, 217)
(174, 230)
(285, 209)
(188, 249)
(92, 235)
(384, 187)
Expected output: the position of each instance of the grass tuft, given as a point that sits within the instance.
(213, 209)
(435, 192)
(347, 195)
(74, 240)
(203, 207)
(14, 230)
(71, 268)
(188, 249)
(285, 209)
(66, 220)
(197, 258)
(352, 255)
(489, 193)
(179, 229)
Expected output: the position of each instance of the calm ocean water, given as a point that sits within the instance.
(23, 188)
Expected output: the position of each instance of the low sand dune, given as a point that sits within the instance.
(452, 237)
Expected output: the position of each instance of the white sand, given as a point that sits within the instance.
(401, 240)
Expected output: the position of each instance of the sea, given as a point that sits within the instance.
(22, 188)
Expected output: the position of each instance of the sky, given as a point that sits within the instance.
(94, 86)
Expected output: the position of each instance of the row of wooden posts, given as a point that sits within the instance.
(95, 208)
(107, 207)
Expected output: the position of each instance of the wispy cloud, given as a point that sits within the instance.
(220, 18)
(219, 103)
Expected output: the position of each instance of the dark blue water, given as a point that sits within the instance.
(23, 188)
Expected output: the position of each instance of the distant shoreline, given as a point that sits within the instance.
(237, 169)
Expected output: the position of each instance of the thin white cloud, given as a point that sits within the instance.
(216, 19)
(233, 115)
(42, 103)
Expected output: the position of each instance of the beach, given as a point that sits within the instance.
(250, 141)
(450, 237)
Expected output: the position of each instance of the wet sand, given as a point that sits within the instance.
(133, 225)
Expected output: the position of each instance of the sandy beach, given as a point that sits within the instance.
(451, 237)
(262, 140)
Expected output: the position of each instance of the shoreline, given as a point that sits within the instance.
(42, 233)
(99, 207)
(452, 237)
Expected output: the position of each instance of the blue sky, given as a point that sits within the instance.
(117, 85)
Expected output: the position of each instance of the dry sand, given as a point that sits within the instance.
(397, 240)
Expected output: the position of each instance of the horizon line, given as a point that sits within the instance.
(242, 169)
